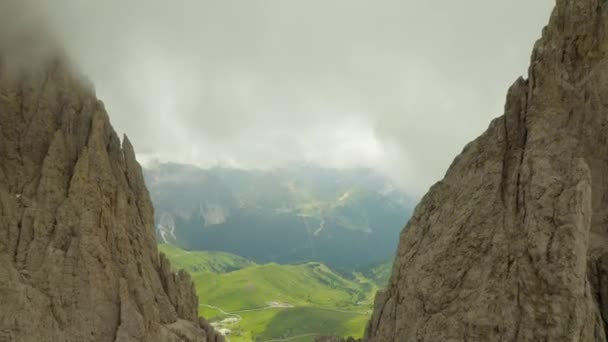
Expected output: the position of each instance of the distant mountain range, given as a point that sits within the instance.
(347, 219)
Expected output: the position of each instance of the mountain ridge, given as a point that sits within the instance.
(343, 218)
(511, 245)
(78, 258)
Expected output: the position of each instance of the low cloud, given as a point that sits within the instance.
(398, 86)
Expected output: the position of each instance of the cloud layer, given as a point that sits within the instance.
(396, 85)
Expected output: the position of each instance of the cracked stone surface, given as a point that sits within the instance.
(512, 245)
(78, 257)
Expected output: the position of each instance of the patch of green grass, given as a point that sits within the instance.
(323, 301)
(208, 312)
(381, 273)
(311, 284)
(194, 262)
(306, 322)
(252, 325)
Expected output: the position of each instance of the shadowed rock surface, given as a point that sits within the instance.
(78, 256)
(512, 244)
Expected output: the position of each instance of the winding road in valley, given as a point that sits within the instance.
(222, 311)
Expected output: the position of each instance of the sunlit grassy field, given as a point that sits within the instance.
(319, 301)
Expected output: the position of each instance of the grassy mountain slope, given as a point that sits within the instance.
(379, 273)
(202, 261)
(315, 299)
(298, 324)
(311, 284)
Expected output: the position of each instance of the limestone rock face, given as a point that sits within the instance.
(512, 245)
(78, 257)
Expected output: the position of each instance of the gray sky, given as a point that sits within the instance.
(397, 85)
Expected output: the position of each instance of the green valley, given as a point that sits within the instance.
(281, 254)
(271, 302)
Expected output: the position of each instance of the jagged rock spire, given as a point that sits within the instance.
(512, 245)
(78, 257)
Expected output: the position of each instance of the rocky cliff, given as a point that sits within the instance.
(78, 257)
(512, 245)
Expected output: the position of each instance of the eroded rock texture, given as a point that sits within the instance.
(513, 244)
(78, 258)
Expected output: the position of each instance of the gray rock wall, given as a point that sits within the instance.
(512, 245)
(78, 257)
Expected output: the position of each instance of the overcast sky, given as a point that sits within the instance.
(396, 85)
